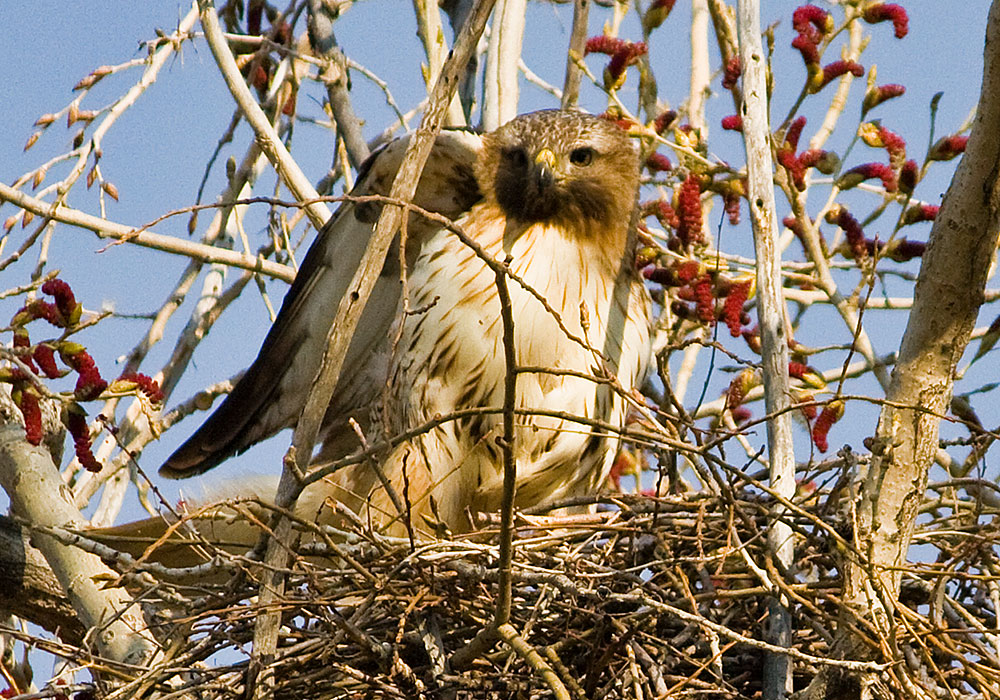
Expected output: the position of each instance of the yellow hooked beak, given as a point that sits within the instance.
(545, 163)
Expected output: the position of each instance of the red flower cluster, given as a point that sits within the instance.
(731, 73)
(733, 122)
(89, 383)
(732, 308)
(891, 12)
(879, 94)
(813, 24)
(867, 171)
(895, 146)
(810, 20)
(689, 211)
(796, 165)
(832, 412)
(852, 231)
(948, 147)
(657, 14)
(143, 383)
(26, 400)
(616, 117)
(731, 200)
(704, 299)
(826, 162)
(63, 312)
(909, 176)
(76, 423)
(741, 384)
(663, 122)
(657, 162)
(898, 249)
(834, 70)
(45, 356)
(792, 224)
(920, 212)
(663, 212)
(797, 370)
(65, 300)
(623, 54)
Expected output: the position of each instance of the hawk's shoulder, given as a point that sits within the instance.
(271, 393)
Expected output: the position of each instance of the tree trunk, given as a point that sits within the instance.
(948, 295)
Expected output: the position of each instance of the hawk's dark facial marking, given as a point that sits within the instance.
(545, 167)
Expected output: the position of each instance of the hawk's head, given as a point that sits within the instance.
(563, 167)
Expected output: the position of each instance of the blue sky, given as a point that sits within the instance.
(157, 153)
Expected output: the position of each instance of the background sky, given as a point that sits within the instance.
(156, 154)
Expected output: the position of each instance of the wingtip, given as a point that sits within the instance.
(187, 461)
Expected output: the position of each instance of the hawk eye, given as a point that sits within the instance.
(516, 156)
(581, 156)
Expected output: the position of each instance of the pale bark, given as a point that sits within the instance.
(38, 494)
(770, 313)
(949, 292)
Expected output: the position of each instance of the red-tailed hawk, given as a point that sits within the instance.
(553, 190)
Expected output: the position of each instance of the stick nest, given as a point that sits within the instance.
(646, 598)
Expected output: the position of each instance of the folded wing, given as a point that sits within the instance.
(272, 392)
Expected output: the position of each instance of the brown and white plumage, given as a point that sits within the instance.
(556, 193)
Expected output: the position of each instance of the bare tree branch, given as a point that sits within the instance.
(774, 342)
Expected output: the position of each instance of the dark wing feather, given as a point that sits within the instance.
(272, 392)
